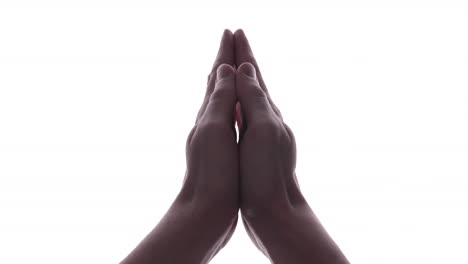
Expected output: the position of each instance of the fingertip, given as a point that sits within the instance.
(225, 50)
(224, 71)
(239, 32)
(227, 40)
(241, 39)
(247, 84)
(227, 33)
(248, 69)
(243, 51)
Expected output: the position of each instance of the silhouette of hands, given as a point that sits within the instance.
(264, 161)
(256, 175)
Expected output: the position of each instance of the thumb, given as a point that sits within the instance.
(253, 99)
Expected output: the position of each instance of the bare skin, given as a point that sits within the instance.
(275, 214)
(204, 215)
(256, 175)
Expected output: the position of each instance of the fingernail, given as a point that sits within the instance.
(248, 69)
(224, 71)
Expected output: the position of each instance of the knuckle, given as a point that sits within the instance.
(265, 126)
(266, 132)
(190, 135)
(221, 94)
(290, 132)
(209, 126)
(253, 90)
(212, 127)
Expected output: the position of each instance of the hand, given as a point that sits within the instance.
(267, 144)
(204, 215)
(212, 158)
(275, 214)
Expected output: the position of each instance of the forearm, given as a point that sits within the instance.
(190, 232)
(293, 235)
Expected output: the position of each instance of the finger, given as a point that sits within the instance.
(252, 97)
(222, 102)
(225, 55)
(226, 51)
(244, 53)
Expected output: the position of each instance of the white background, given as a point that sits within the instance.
(97, 98)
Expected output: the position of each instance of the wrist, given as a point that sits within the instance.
(210, 194)
(197, 229)
(213, 208)
(284, 202)
(292, 234)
